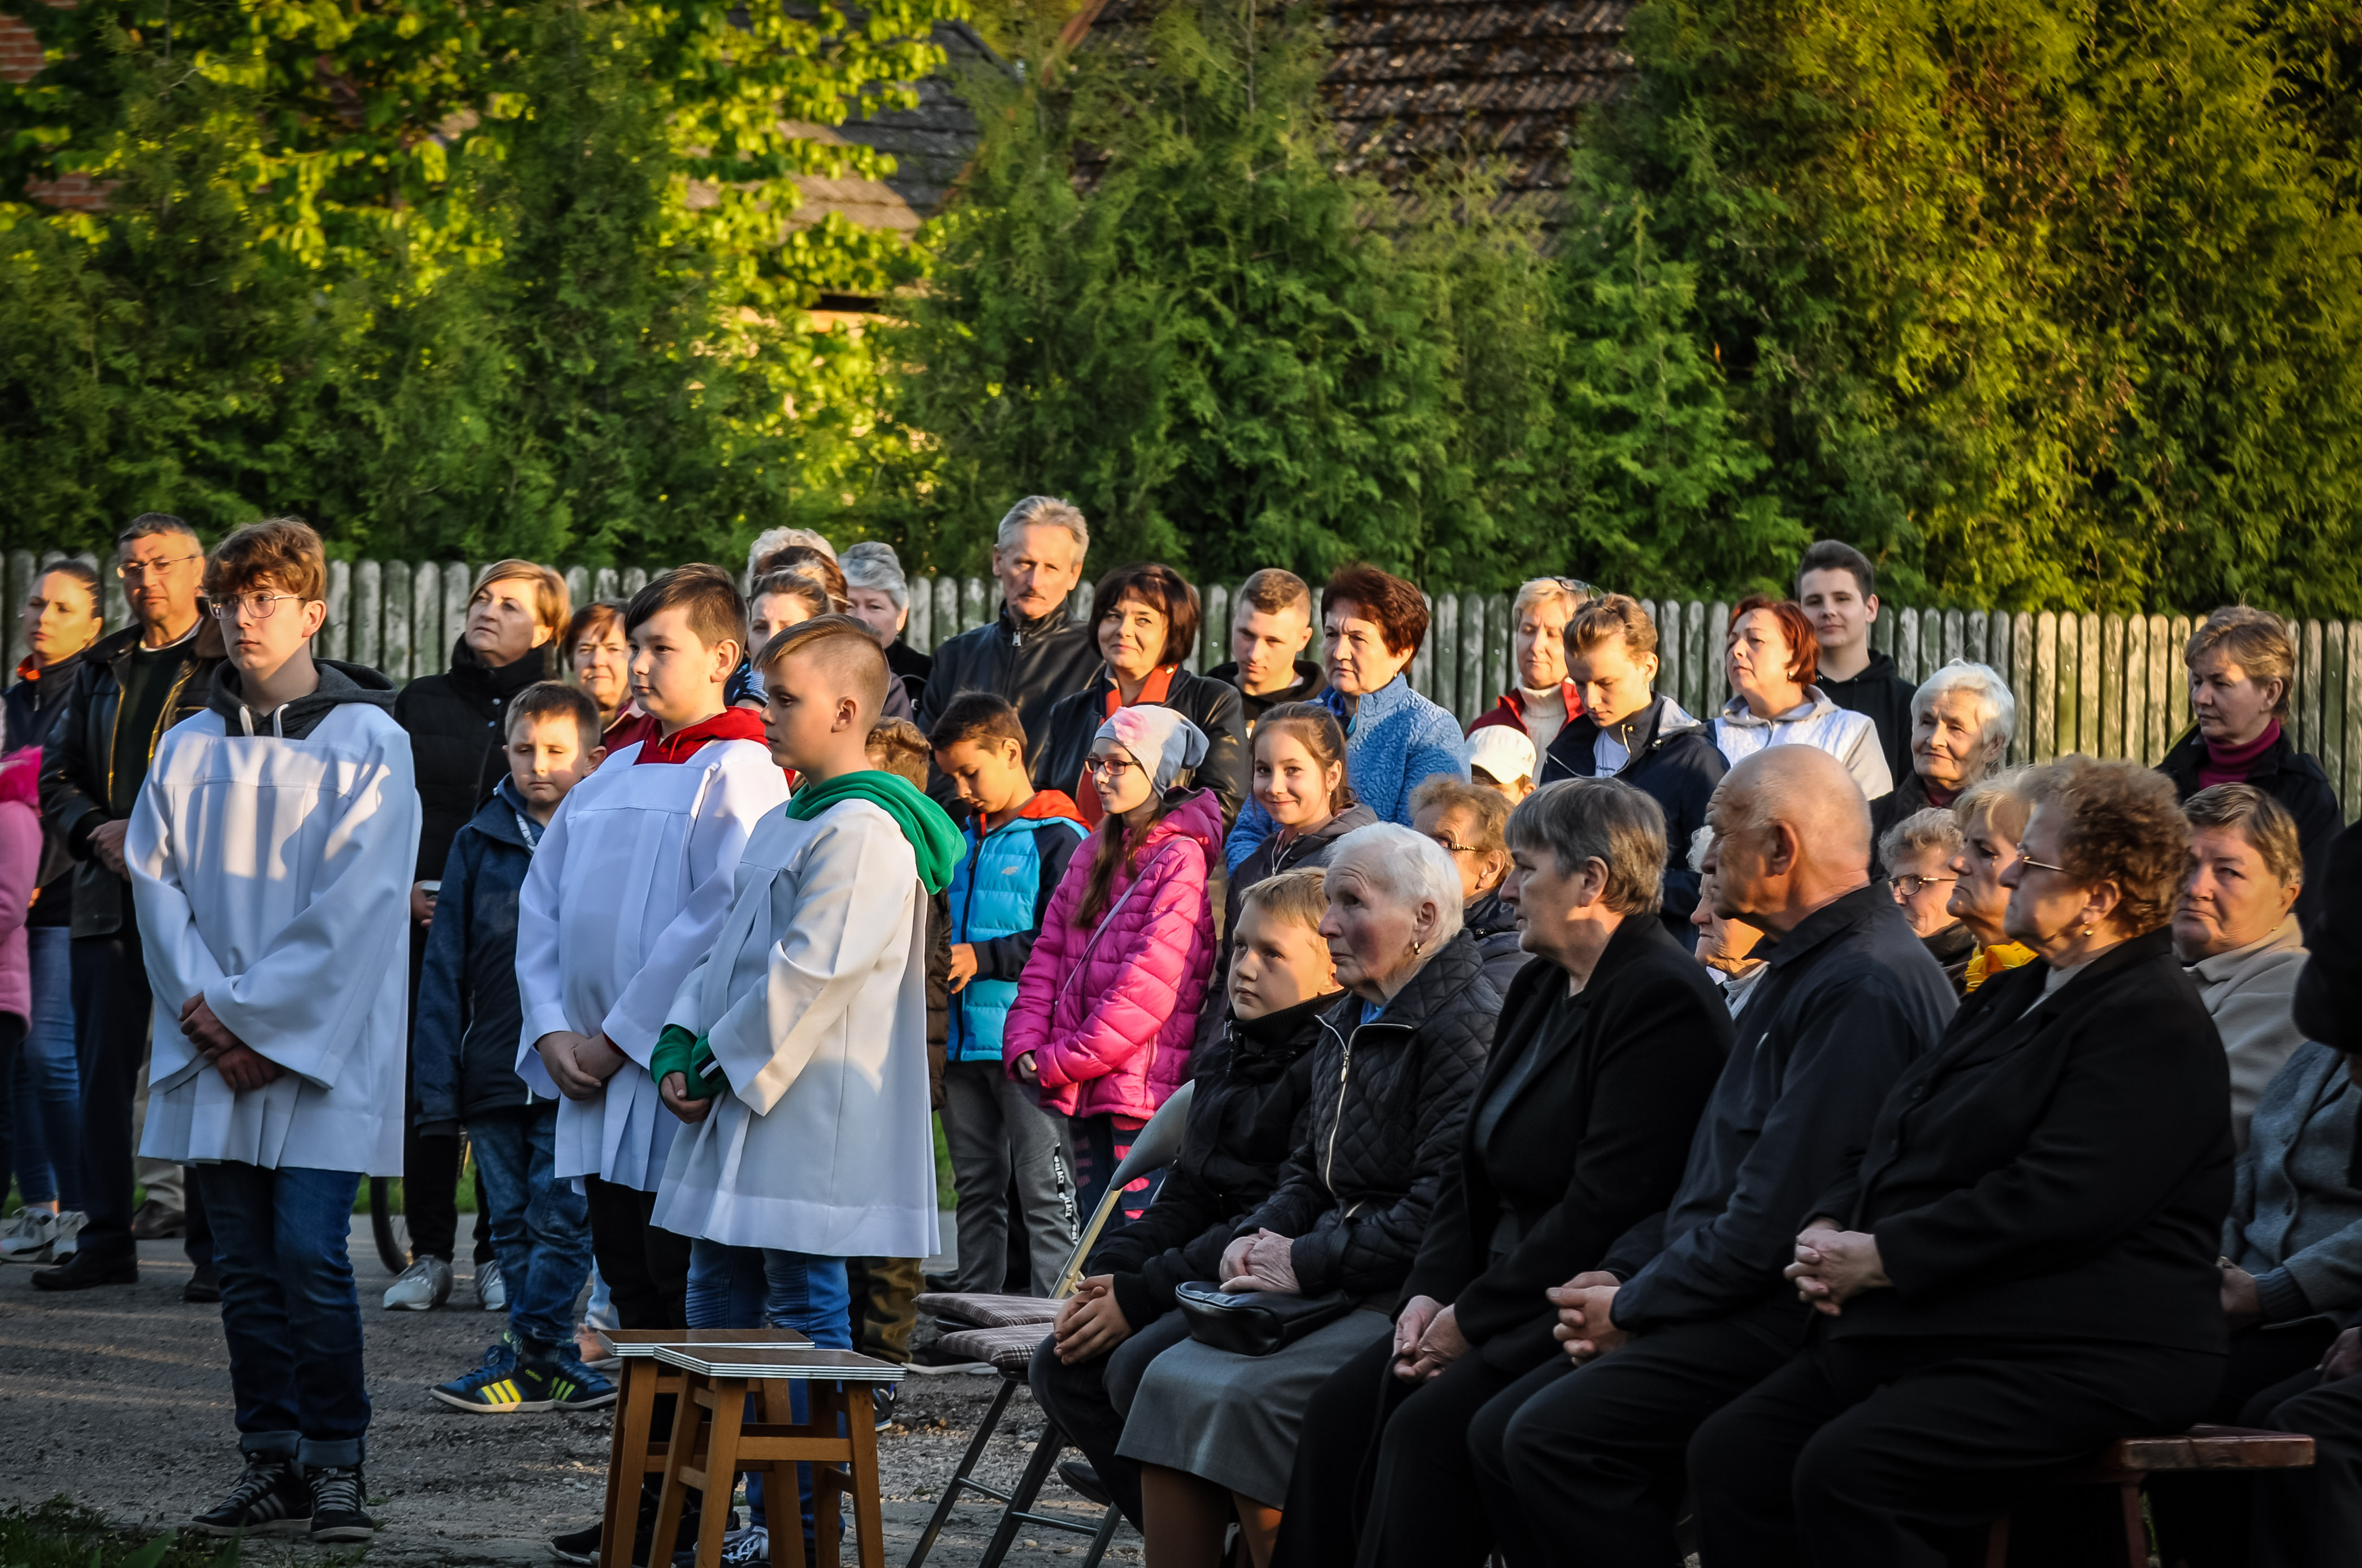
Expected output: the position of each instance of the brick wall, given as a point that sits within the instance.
(21, 60)
(20, 52)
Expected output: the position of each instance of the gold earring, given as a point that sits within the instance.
(1414, 947)
(2087, 930)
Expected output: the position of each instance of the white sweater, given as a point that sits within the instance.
(626, 891)
(273, 875)
(814, 1003)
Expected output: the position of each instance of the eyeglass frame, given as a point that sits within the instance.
(1111, 767)
(2043, 865)
(1449, 848)
(127, 570)
(1892, 883)
(220, 605)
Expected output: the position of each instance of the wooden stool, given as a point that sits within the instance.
(712, 1441)
(2126, 1465)
(632, 1456)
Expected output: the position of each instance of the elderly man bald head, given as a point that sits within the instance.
(1791, 834)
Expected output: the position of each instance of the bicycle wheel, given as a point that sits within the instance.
(392, 1231)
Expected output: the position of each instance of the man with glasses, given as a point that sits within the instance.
(131, 687)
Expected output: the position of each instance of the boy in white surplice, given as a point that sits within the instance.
(797, 1050)
(270, 857)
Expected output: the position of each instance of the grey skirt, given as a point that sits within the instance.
(1233, 1419)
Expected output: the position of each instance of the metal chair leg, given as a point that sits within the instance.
(959, 1481)
(1029, 1487)
(1107, 1521)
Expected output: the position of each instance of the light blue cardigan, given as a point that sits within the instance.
(1395, 742)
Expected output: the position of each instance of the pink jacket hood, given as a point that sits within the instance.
(1109, 1012)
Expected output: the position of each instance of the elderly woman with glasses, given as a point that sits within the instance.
(1470, 823)
(1992, 816)
(1961, 720)
(1215, 1431)
(1918, 852)
(2020, 1270)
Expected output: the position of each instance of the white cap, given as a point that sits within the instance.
(1505, 754)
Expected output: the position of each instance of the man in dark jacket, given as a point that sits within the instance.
(1839, 589)
(1268, 636)
(1030, 654)
(1246, 1114)
(131, 687)
(1594, 1452)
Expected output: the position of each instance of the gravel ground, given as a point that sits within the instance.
(119, 1398)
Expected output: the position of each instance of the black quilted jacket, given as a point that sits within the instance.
(1389, 1098)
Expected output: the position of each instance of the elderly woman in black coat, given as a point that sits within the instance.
(1215, 1431)
(2021, 1268)
(1609, 1043)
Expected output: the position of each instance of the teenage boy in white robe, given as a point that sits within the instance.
(797, 1051)
(269, 855)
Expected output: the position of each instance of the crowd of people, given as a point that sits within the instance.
(1789, 1129)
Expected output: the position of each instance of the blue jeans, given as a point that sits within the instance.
(289, 1309)
(40, 1085)
(541, 1226)
(755, 1287)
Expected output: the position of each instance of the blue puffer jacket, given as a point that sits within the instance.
(1000, 889)
(463, 1051)
(1395, 742)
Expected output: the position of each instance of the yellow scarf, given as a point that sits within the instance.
(1986, 962)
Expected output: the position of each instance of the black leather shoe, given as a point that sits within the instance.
(1083, 1480)
(153, 1222)
(204, 1286)
(84, 1270)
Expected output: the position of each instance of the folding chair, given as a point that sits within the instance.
(1005, 1331)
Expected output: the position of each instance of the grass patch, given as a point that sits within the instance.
(61, 1533)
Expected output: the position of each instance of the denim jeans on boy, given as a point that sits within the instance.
(43, 1083)
(755, 1287)
(541, 1226)
(289, 1309)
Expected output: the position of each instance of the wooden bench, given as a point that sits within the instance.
(2128, 1464)
(712, 1441)
(640, 1380)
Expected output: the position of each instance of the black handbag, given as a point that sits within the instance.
(1255, 1322)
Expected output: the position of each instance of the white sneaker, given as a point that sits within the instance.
(28, 1236)
(423, 1287)
(69, 1236)
(492, 1291)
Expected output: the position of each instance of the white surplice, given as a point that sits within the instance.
(273, 875)
(814, 1001)
(627, 889)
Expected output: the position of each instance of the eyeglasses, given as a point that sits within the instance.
(1450, 847)
(2043, 865)
(1109, 767)
(132, 571)
(249, 606)
(1909, 886)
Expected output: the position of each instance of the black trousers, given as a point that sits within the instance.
(646, 1269)
(1383, 1475)
(2205, 1519)
(1088, 1400)
(1585, 1464)
(1886, 1452)
(430, 1195)
(112, 1012)
(2311, 1518)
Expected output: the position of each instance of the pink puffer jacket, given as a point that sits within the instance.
(20, 864)
(1109, 1013)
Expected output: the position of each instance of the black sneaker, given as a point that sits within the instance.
(85, 1269)
(580, 1548)
(269, 1499)
(336, 1514)
(204, 1286)
(882, 1400)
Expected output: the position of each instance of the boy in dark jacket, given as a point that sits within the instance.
(1253, 1088)
(464, 1062)
(1019, 842)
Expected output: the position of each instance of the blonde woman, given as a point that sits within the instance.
(1545, 698)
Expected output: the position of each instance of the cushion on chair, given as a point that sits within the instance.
(1008, 1349)
(988, 1311)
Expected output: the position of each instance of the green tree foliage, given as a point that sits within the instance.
(448, 279)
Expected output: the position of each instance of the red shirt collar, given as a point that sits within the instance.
(729, 724)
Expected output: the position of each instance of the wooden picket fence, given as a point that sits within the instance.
(2108, 684)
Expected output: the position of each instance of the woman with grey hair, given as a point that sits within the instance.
(1399, 1055)
(2236, 929)
(1961, 720)
(880, 597)
(1917, 853)
(1609, 1043)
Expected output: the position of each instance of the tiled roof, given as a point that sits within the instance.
(930, 145)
